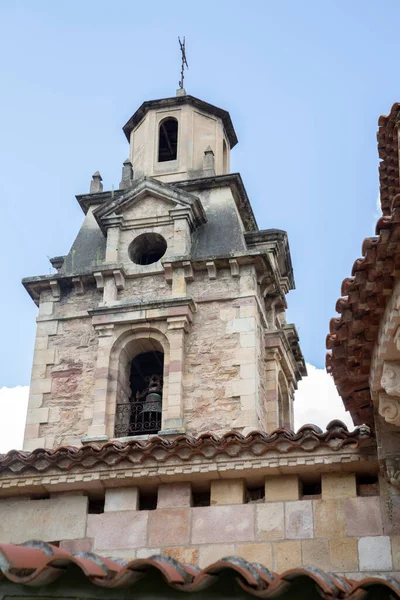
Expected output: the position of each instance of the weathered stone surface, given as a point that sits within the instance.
(375, 553)
(213, 524)
(261, 553)
(227, 491)
(169, 527)
(270, 521)
(174, 495)
(185, 554)
(210, 553)
(82, 545)
(363, 516)
(283, 487)
(299, 519)
(48, 520)
(287, 555)
(343, 554)
(395, 541)
(121, 499)
(329, 520)
(315, 553)
(111, 531)
(338, 485)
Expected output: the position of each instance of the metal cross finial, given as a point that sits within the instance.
(184, 61)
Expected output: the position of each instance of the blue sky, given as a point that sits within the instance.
(304, 82)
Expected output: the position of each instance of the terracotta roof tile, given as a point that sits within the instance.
(353, 335)
(208, 446)
(38, 563)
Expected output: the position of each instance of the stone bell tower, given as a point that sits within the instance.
(168, 313)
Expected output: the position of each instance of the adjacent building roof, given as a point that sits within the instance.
(177, 101)
(38, 564)
(354, 333)
(208, 446)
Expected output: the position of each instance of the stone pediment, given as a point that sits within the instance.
(149, 202)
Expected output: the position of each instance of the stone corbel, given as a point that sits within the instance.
(235, 269)
(179, 322)
(55, 289)
(78, 285)
(119, 279)
(168, 272)
(188, 270)
(99, 280)
(212, 269)
(389, 408)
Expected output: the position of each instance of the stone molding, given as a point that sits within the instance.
(392, 471)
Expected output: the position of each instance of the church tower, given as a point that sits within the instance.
(167, 315)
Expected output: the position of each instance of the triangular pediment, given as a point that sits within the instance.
(149, 198)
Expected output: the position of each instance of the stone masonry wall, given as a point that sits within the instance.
(338, 531)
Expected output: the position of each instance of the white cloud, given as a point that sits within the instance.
(13, 406)
(317, 401)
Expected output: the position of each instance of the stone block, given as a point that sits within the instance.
(363, 516)
(287, 555)
(261, 553)
(343, 554)
(282, 487)
(221, 524)
(338, 485)
(121, 499)
(396, 552)
(227, 491)
(244, 325)
(37, 415)
(82, 545)
(48, 520)
(329, 521)
(31, 444)
(248, 339)
(44, 357)
(299, 520)
(113, 530)
(375, 553)
(315, 554)
(270, 521)
(41, 386)
(169, 527)
(185, 554)
(209, 554)
(146, 552)
(243, 386)
(174, 495)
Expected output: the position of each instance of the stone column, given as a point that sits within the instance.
(272, 368)
(112, 245)
(172, 419)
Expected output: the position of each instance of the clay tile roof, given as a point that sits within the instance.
(352, 335)
(39, 564)
(208, 446)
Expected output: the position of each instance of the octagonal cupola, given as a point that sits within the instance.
(180, 138)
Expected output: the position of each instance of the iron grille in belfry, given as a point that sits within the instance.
(131, 420)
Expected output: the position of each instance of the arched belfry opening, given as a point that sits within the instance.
(140, 389)
(168, 140)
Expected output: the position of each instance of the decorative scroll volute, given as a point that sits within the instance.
(389, 400)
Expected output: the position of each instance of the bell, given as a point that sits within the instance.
(153, 403)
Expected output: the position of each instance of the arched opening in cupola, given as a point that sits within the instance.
(168, 140)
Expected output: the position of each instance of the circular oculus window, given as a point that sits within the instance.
(147, 248)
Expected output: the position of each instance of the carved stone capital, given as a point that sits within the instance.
(389, 408)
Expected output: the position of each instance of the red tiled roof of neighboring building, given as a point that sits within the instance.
(184, 447)
(38, 563)
(354, 333)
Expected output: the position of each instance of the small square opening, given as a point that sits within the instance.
(148, 501)
(96, 505)
(367, 485)
(201, 498)
(255, 495)
(311, 488)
